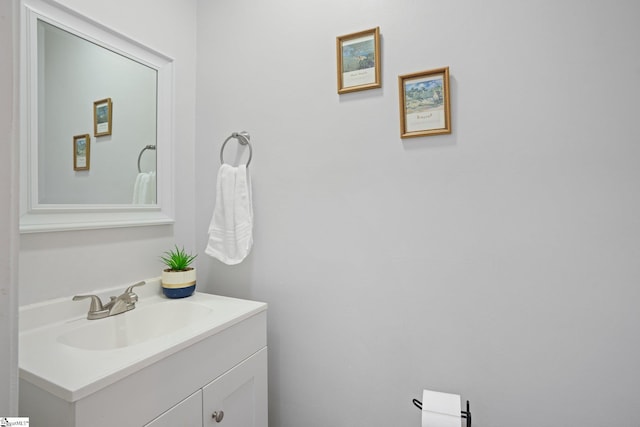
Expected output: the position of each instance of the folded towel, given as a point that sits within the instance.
(136, 189)
(230, 232)
(144, 189)
(150, 196)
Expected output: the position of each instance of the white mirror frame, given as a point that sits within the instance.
(35, 217)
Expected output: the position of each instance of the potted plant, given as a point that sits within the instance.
(179, 279)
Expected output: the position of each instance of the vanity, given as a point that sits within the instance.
(196, 361)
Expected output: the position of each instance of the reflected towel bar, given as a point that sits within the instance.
(148, 147)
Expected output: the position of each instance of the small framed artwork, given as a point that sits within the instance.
(358, 57)
(81, 152)
(424, 103)
(102, 111)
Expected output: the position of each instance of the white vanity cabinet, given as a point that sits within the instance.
(215, 364)
(238, 398)
(187, 413)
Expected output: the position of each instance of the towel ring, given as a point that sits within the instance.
(148, 147)
(243, 139)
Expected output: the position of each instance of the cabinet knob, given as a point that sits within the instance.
(218, 416)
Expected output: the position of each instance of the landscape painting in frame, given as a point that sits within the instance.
(81, 152)
(102, 112)
(424, 103)
(359, 60)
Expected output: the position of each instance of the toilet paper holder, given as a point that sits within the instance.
(465, 414)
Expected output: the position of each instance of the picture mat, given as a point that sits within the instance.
(359, 61)
(424, 103)
(102, 114)
(81, 153)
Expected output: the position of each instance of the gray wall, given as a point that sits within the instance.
(8, 212)
(499, 262)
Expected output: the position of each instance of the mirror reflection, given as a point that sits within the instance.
(97, 121)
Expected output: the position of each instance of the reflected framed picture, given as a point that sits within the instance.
(358, 57)
(424, 103)
(102, 112)
(81, 152)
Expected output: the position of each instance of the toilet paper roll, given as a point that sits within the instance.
(440, 409)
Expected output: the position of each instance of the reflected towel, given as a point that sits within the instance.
(136, 189)
(231, 228)
(150, 195)
(144, 189)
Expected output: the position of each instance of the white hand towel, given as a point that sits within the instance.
(144, 189)
(151, 189)
(137, 189)
(230, 232)
(143, 195)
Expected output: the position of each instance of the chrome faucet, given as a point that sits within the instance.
(116, 305)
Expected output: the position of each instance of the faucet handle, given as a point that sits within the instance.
(129, 291)
(96, 304)
(130, 288)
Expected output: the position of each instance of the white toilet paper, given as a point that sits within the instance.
(440, 409)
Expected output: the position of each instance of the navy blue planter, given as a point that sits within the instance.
(179, 292)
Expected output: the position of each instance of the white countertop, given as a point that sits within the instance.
(72, 373)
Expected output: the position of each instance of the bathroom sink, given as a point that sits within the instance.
(71, 357)
(136, 326)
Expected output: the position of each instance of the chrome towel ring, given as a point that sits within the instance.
(243, 139)
(148, 147)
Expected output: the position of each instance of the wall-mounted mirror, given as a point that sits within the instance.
(96, 125)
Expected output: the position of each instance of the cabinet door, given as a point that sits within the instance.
(238, 398)
(187, 413)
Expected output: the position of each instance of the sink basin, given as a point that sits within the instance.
(71, 357)
(134, 327)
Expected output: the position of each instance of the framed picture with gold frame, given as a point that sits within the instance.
(358, 57)
(81, 152)
(424, 103)
(102, 114)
